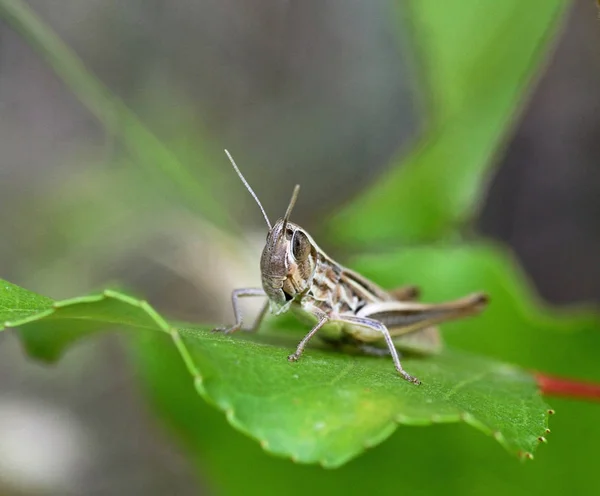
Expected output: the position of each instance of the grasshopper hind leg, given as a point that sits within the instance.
(378, 326)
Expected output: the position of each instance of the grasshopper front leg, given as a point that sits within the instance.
(323, 319)
(236, 294)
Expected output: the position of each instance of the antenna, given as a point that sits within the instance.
(288, 212)
(251, 190)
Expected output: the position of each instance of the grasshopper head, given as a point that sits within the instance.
(289, 258)
(287, 263)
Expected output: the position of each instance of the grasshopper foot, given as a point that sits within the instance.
(227, 330)
(409, 377)
(293, 357)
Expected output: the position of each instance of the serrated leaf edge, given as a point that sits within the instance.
(162, 325)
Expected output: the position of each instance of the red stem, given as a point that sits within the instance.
(557, 386)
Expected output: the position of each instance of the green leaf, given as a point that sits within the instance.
(328, 407)
(18, 305)
(439, 459)
(477, 61)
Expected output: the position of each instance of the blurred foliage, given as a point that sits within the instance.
(188, 185)
(477, 61)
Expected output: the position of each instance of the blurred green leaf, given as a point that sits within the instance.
(477, 60)
(517, 324)
(329, 407)
(150, 155)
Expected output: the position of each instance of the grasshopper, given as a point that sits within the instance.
(343, 306)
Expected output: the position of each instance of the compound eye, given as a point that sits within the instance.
(300, 246)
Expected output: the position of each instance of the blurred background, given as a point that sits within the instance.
(330, 94)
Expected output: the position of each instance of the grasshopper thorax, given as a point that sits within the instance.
(288, 262)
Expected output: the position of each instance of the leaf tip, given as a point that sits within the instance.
(525, 455)
(542, 439)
